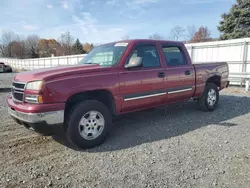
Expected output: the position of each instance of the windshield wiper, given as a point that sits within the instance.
(89, 63)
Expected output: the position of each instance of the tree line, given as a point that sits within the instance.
(15, 46)
(187, 35)
(234, 24)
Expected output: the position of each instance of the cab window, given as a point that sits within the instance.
(149, 54)
(174, 56)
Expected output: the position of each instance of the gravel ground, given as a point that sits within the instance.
(174, 146)
(5, 80)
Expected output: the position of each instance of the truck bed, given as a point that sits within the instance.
(206, 70)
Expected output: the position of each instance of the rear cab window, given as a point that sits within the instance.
(174, 56)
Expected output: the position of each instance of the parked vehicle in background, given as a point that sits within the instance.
(113, 79)
(5, 68)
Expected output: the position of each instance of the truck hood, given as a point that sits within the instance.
(54, 72)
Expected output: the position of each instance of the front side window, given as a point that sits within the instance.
(149, 54)
(174, 56)
(105, 55)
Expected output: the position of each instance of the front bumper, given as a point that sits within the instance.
(49, 118)
(27, 114)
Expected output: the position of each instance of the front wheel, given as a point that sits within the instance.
(210, 98)
(89, 124)
(10, 70)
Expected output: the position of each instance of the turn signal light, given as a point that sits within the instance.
(37, 99)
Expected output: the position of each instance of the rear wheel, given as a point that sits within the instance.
(89, 124)
(210, 98)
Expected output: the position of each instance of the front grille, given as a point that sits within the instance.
(18, 91)
(18, 85)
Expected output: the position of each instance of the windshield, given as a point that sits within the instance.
(105, 55)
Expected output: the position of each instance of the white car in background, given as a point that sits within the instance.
(5, 68)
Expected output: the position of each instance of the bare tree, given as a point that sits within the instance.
(191, 30)
(156, 36)
(31, 43)
(7, 37)
(2, 49)
(17, 49)
(66, 40)
(177, 32)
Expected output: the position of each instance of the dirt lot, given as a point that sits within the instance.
(174, 146)
(5, 80)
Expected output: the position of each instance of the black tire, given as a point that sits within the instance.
(72, 129)
(203, 100)
(10, 70)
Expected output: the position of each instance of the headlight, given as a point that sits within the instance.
(35, 85)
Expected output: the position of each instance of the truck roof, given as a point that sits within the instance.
(145, 40)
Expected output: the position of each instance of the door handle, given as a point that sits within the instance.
(187, 72)
(161, 75)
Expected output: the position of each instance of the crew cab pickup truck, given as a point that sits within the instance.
(113, 79)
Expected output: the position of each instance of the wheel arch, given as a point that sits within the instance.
(216, 79)
(102, 95)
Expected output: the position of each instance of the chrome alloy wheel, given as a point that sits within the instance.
(211, 98)
(91, 125)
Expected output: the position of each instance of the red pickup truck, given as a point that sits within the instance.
(113, 79)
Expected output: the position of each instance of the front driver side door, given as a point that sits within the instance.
(143, 87)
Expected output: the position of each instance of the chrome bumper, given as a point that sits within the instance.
(54, 117)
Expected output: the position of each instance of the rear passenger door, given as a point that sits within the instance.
(180, 73)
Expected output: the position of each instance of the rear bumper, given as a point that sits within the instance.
(224, 84)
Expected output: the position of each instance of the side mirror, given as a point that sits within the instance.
(134, 62)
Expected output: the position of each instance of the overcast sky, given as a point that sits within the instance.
(101, 21)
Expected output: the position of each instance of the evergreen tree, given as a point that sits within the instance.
(77, 48)
(236, 23)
